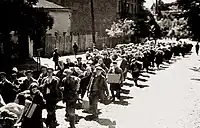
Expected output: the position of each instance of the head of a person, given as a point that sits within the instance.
(88, 70)
(67, 72)
(56, 49)
(50, 72)
(2, 76)
(29, 74)
(14, 76)
(98, 70)
(68, 60)
(79, 59)
(100, 61)
(114, 64)
(44, 69)
(33, 87)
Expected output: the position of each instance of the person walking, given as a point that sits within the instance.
(56, 57)
(70, 87)
(51, 95)
(75, 47)
(97, 86)
(35, 121)
(116, 86)
(197, 48)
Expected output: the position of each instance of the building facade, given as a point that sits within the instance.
(105, 13)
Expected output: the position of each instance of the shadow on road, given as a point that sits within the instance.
(102, 121)
(142, 86)
(121, 102)
(124, 91)
(126, 97)
(145, 75)
(194, 69)
(143, 80)
(150, 72)
(106, 122)
(128, 84)
(195, 79)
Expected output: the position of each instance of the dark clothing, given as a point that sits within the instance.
(51, 95)
(8, 91)
(70, 96)
(26, 83)
(68, 65)
(71, 86)
(107, 62)
(36, 120)
(42, 75)
(84, 84)
(81, 66)
(197, 48)
(75, 47)
(116, 86)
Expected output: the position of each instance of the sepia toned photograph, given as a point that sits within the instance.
(99, 64)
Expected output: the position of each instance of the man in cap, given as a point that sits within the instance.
(43, 74)
(51, 95)
(97, 86)
(106, 60)
(7, 90)
(70, 86)
(116, 86)
(56, 57)
(80, 64)
(75, 47)
(26, 83)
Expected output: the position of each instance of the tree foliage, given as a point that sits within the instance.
(121, 28)
(23, 18)
(191, 12)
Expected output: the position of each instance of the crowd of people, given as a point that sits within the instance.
(71, 81)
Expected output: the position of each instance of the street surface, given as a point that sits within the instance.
(170, 99)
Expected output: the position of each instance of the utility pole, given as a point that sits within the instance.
(93, 25)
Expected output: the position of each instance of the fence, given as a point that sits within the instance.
(65, 43)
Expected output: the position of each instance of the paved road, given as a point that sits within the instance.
(172, 100)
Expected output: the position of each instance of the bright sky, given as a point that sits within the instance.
(149, 3)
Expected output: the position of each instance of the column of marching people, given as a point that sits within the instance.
(72, 81)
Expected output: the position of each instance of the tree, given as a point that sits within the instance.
(191, 13)
(26, 21)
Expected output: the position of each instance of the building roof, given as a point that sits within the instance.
(46, 4)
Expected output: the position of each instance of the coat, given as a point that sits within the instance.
(36, 120)
(8, 91)
(116, 86)
(71, 86)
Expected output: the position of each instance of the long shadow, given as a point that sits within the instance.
(143, 80)
(121, 102)
(145, 75)
(142, 86)
(194, 69)
(150, 72)
(164, 66)
(77, 117)
(195, 79)
(102, 121)
(126, 97)
(128, 84)
(124, 91)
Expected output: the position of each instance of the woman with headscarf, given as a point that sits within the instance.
(34, 120)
